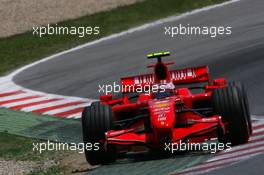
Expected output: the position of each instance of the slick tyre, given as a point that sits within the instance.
(228, 102)
(244, 97)
(96, 120)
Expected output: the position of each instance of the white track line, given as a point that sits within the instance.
(214, 166)
(256, 138)
(10, 91)
(241, 147)
(249, 150)
(230, 160)
(7, 85)
(47, 105)
(75, 116)
(64, 109)
(225, 152)
(258, 130)
(17, 96)
(9, 105)
(257, 125)
(256, 117)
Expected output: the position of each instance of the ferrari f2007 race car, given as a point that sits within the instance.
(175, 112)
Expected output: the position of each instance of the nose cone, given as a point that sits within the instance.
(162, 114)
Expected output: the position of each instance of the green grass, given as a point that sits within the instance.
(24, 48)
(42, 127)
(14, 147)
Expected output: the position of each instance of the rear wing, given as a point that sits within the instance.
(182, 76)
(190, 75)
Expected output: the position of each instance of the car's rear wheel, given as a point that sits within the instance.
(96, 120)
(229, 103)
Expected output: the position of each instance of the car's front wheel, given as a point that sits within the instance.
(229, 103)
(96, 120)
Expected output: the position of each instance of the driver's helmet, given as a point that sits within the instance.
(164, 90)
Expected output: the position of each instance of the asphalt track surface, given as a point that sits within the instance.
(239, 57)
(250, 166)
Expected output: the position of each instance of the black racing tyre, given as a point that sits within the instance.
(96, 120)
(228, 103)
(244, 96)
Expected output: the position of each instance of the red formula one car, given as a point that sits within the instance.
(173, 112)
